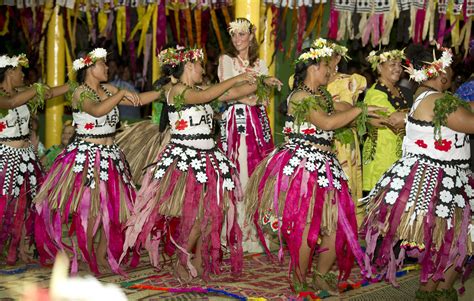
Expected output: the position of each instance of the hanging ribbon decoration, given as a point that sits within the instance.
(189, 24)
(121, 29)
(215, 25)
(161, 27)
(198, 23)
(302, 17)
(4, 21)
(294, 20)
(226, 14)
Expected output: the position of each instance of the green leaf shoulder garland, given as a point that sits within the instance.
(443, 107)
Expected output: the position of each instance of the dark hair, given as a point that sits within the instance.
(301, 68)
(253, 45)
(420, 55)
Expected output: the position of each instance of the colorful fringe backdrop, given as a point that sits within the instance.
(128, 23)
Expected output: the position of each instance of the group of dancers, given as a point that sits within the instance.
(200, 195)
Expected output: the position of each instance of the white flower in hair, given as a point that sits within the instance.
(446, 59)
(239, 26)
(78, 64)
(98, 53)
(418, 76)
(4, 61)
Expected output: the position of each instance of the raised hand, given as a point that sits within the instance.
(132, 97)
(274, 82)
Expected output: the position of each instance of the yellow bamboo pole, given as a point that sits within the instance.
(249, 9)
(267, 48)
(156, 66)
(55, 75)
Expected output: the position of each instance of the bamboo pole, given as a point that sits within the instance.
(55, 76)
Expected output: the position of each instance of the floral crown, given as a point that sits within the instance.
(240, 25)
(339, 50)
(431, 69)
(375, 59)
(178, 55)
(89, 59)
(320, 49)
(14, 61)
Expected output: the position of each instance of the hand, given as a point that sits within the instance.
(376, 112)
(273, 82)
(396, 120)
(378, 122)
(132, 97)
(48, 93)
(249, 77)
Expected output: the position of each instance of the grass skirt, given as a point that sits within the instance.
(427, 206)
(20, 175)
(300, 185)
(87, 190)
(141, 143)
(188, 185)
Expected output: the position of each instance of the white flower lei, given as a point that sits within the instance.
(89, 59)
(432, 69)
(13, 61)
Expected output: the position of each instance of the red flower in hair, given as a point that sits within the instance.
(87, 60)
(181, 124)
(443, 145)
(2, 126)
(89, 126)
(421, 143)
(309, 131)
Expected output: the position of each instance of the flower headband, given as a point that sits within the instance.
(375, 59)
(89, 59)
(432, 69)
(14, 61)
(178, 55)
(320, 49)
(240, 25)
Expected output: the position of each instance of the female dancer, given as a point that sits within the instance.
(20, 171)
(246, 136)
(90, 180)
(383, 145)
(192, 188)
(424, 201)
(301, 188)
(347, 88)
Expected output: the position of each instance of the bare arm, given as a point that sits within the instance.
(59, 90)
(461, 120)
(19, 99)
(213, 92)
(98, 109)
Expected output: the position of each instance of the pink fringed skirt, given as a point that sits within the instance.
(88, 191)
(297, 186)
(20, 175)
(194, 187)
(253, 122)
(426, 205)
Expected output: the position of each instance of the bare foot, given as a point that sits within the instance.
(327, 282)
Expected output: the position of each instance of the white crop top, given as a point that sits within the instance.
(88, 126)
(15, 125)
(420, 138)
